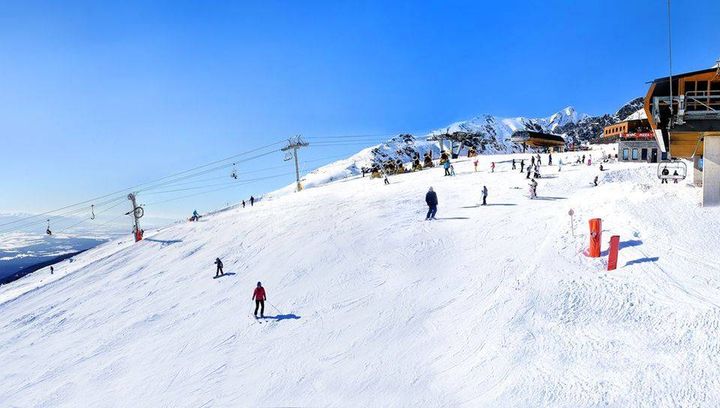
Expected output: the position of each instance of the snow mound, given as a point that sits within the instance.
(369, 305)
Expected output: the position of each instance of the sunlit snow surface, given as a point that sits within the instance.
(371, 305)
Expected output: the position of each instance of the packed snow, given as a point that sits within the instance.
(370, 305)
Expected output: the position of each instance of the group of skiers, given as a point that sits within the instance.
(252, 202)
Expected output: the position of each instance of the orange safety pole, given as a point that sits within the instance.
(613, 257)
(595, 237)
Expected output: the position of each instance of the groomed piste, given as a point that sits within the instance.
(370, 305)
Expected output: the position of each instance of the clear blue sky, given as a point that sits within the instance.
(97, 96)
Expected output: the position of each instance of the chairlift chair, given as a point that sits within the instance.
(234, 172)
(288, 156)
(672, 166)
(47, 231)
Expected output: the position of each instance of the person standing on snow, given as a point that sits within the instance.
(446, 166)
(539, 160)
(475, 163)
(259, 297)
(513, 164)
(549, 159)
(527, 176)
(532, 161)
(522, 165)
(252, 201)
(243, 203)
(492, 167)
(219, 270)
(595, 181)
(432, 201)
(452, 170)
(386, 181)
(484, 195)
(533, 189)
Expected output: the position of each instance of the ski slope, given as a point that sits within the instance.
(370, 305)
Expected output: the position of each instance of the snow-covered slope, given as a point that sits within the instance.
(372, 306)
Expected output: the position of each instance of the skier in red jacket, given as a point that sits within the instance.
(259, 297)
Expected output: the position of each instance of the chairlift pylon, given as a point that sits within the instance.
(672, 169)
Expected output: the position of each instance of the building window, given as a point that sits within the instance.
(625, 154)
(635, 154)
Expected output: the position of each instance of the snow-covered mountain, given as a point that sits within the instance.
(489, 135)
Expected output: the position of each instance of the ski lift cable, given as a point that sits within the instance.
(89, 219)
(215, 185)
(125, 190)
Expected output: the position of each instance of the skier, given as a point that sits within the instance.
(675, 174)
(665, 172)
(452, 170)
(475, 163)
(539, 160)
(522, 165)
(549, 159)
(583, 159)
(533, 189)
(595, 181)
(484, 195)
(532, 160)
(195, 216)
(590, 160)
(560, 164)
(446, 166)
(259, 297)
(386, 179)
(601, 167)
(252, 201)
(219, 270)
(527, 176)
(52, 270)
(432, 202)
(243, 203)
(492, 167)
(513, 164)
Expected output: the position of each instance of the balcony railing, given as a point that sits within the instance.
(694, 105)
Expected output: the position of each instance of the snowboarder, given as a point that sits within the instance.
(243, 203)
(195, 216)
(259, 297)
(492, 167)
(513, 164)
(446, 166)
(475, 163)
(252, 201)
(665, 172)
(533, 189)
(549, 159)
(595, 181)
(219, 270)
(432, 201)
(484, 195)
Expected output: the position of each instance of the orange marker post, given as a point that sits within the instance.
(595, 237)
(614, 248)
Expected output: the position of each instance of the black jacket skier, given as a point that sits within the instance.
(252, 201)
(219, 270)
(432, 201)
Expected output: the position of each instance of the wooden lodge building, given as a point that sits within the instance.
(684, 114)
(538, 139)
(635, 139)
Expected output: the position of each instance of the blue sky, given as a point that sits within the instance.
(98, 96)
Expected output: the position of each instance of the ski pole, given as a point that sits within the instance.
(276, 309)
